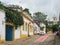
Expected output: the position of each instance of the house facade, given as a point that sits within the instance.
(36, 29)
(8, 31)
(42, 28)
(27, 28)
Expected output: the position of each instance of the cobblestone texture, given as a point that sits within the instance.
(51, 40)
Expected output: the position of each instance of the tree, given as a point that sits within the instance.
(1, 6)
(27, 10)
(39, 17)
(55, 27)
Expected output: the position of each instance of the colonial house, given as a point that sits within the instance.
(36, 29)
(26, 29)
(8, 31)
(42, 28)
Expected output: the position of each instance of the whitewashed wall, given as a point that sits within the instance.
(30, 33)
(43, 25)
(24, 31)
(2, 25)
(26, 20)
(17, 33)
(36, 28)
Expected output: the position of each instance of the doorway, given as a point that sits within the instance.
(9, 33)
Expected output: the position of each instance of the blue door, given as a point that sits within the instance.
(9, 33)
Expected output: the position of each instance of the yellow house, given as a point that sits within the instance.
(26, 29)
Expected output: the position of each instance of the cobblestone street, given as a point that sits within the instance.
(48, 41)
(51, 40)
(29, 22)
(29, 41)
(57, 40)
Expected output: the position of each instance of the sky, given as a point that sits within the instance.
(49, 7)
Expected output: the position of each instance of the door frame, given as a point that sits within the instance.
(12, 29)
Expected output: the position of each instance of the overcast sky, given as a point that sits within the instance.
(49, 7)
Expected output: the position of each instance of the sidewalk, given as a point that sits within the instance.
(19, 41)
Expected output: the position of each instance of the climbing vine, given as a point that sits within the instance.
(12, 16)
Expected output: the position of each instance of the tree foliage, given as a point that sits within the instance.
(55, 27)
(27, 10)
(2, 6)
(49, 25)
(12, 16)
(39, 17)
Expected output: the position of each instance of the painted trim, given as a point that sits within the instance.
(1, 41)
(13, 29)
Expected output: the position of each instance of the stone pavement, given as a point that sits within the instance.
(51, 40)
(48, 41)
(27, 41)
(57, 40)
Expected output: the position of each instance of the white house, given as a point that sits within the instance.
(8, 31)
(36, 29)
(44, 28)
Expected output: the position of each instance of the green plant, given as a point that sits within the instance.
(12, 16)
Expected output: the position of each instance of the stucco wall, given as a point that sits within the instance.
(17, 33)
(43, 25)
(2, 24)
(36, 28)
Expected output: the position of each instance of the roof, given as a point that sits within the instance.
(27, 16)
